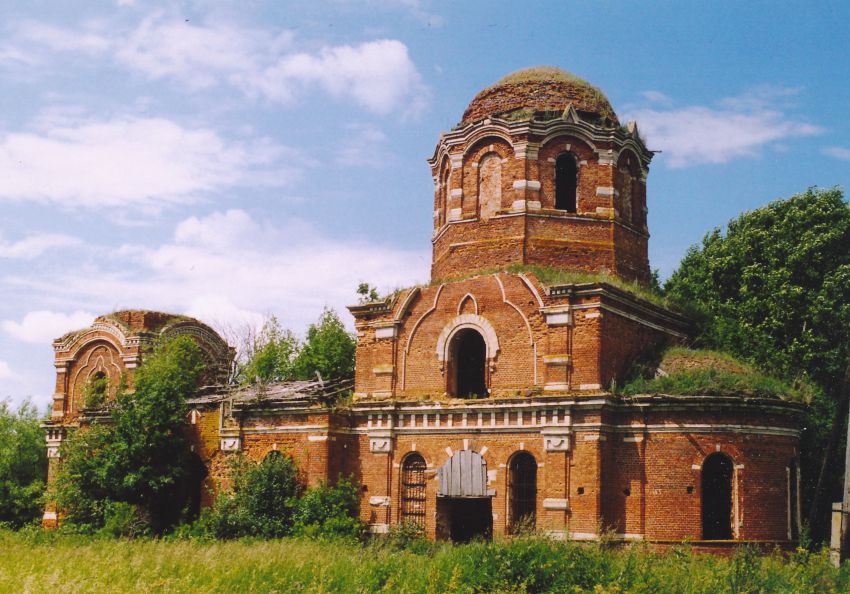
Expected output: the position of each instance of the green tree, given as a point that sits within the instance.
(262, 502)
(774, 289)
(23, 464)
(271, 354)
(140, 456)
(328, 350)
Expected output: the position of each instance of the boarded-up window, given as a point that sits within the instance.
(489, 185)
(463, 475)
(413, 490)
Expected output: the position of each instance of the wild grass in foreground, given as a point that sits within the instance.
(32, 562)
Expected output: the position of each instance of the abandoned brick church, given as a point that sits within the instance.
(482, 400)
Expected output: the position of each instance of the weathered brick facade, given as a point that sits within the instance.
(485, 395)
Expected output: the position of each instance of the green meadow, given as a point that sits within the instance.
(34, 562)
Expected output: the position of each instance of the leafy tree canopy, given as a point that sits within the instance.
(23, 464)
(774, 288)
(141, 456)
(328, 350)
(276, 354)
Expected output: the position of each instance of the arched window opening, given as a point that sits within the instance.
(96, 390)
(489, 185)
(413, 490)
(469, 357)
(717, 475)
(793, 502)
(566, 181)
(522, 492)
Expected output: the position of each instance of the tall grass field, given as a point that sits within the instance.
(34, 562)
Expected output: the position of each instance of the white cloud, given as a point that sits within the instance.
(366, 146)
(198, 56)
(130, 161)
(657, 97)
(838, 152)
(741, 127)
(6, 372)
(378, 75)
(229, 269)
(34, 245)
(43, 326)
(62, 40)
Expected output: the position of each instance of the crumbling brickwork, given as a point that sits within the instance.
(487, 364)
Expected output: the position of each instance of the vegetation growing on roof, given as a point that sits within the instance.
(687, 372)
(545, 73)
(552, 277)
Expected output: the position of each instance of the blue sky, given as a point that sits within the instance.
(236, 160)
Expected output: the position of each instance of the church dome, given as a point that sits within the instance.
(540, 91)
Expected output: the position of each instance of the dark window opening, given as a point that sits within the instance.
(469, 356)
(413, 490)
(522, 491)
(717, 498)
(566, 178)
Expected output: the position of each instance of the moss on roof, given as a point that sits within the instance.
(696, 372)
(553, 277)
(536, 73)
(541, 92)
(143, 319)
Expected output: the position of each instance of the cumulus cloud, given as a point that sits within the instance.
(34, 245)
(739, 127)
(43, 326)
(228, 268)
(378, 75)
(131, 161)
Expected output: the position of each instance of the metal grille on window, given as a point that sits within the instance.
(413, 490)
(523, 491)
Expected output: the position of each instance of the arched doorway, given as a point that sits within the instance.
(413, 484)
(196, 472)
(469, 358)
(522, 491)
(717, 474)
(464, 503)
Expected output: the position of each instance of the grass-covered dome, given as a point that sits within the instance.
(541, 89)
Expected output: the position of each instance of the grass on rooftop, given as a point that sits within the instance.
(690, 372)
(552, 277)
